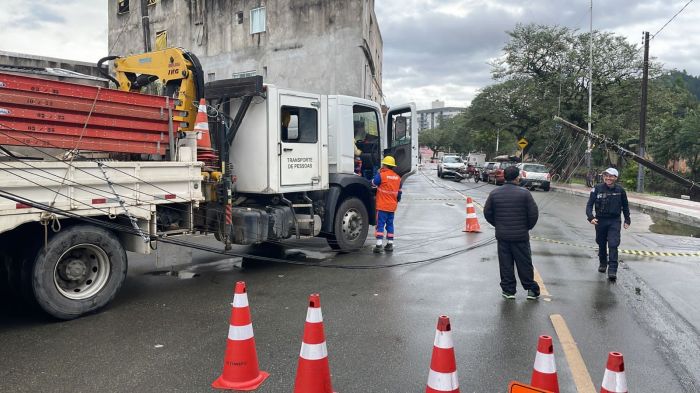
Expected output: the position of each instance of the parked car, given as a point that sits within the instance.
(534, 175)
(496, 174)
(450, 165)
(488, 166)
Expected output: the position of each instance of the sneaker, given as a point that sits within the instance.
(531, 295)
(389, 247)
(507, 295)
(602, 268)
(377, 249)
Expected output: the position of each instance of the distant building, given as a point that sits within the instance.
(51, 68)
(431, 118)
(329, 47)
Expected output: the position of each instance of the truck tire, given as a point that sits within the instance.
(350, 226)
(79, 271)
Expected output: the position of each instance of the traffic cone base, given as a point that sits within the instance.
(240, 371)
(471, 224)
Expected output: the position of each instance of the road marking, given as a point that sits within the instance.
(543, 289)
(643, 253)
(582, 380)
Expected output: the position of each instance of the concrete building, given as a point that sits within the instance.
(431, 118)
(321, 46)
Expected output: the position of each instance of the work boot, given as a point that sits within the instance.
(377, 249)
(532, 295)
(612, 275)
(602, 267)
(389, 247)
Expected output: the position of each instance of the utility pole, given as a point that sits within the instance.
(590, 90)
(145, 22)
(498, 136)
(643, 113)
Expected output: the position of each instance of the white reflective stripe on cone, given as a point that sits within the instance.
(614, 381)
(202, 108)
(201, 126)
(313, 315)
(443, 340)
(544, 363)
(471, 215)
(240, 333)
(445, 382)
(240, 300)
(313, 351)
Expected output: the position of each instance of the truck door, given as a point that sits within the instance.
(402, 138)
(299, 146)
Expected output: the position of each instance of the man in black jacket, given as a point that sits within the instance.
(513, 211)
(610, 200)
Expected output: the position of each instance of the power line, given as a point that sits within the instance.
(670, 20)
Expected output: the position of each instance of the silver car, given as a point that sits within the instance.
(449, 165)
(534, 176)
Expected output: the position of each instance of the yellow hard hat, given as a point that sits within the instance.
(389, 161)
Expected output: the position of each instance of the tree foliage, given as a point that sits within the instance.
(543, 72)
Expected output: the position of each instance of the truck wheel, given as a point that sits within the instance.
(350, 226)
(79, 271)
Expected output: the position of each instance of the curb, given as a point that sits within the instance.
(675, 216)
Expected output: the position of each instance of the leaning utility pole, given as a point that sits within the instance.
(145, 22)
(643, 113)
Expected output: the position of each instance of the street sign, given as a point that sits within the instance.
(522, 143)
(519, 387)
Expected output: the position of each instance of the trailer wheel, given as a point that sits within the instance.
(350, 226)
(80, 270)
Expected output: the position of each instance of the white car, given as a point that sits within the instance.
(534, 176)
(449, 165)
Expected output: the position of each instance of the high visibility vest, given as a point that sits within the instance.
(388, 190)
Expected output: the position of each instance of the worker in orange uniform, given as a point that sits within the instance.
(388, 185)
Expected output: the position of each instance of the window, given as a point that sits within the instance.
(299, 125)
(244, 74)
(211, 77)
(239, 17)
(452, 160)
(366, 123)
(399, 129)
(257, 20)
(123, 6)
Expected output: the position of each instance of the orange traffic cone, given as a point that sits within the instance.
(241, 370)
(614, 380)
(201, 126)
(443, 367)
(313, 372)
(472, 223)
(544, 373)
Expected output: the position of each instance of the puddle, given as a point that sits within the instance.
(664, 226)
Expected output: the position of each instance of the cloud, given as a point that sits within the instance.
(440, 49)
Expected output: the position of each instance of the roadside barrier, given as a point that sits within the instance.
(471, 223)
(241, 371)
(442, 377)
(614, 380)
(544, 372)
(313, 371)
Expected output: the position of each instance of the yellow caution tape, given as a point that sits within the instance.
(643, 253)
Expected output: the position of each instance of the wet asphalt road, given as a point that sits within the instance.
(163, 333)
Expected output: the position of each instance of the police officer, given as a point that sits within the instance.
(610, 199)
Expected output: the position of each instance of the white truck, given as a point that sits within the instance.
(282, 164)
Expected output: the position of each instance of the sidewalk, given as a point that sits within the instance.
(679, 210)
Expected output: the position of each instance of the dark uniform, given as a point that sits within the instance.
(609, 203)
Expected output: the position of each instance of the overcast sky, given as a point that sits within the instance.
(433, 49)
